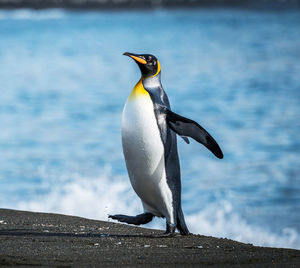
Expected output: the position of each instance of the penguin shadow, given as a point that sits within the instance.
(46, 233)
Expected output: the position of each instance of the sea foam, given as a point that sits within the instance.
(97, 197)
(28, 14)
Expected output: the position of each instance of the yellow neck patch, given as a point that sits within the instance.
(158, 69)
(138, 90)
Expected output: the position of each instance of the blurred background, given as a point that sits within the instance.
(234, 67)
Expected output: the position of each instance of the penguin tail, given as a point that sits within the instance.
(136, 220)
(181, 225)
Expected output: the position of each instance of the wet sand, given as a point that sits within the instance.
(42, 239)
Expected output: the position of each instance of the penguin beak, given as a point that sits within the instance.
(135, 57)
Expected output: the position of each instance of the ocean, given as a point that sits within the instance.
(64, 82)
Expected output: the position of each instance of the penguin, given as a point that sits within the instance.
(149, 129)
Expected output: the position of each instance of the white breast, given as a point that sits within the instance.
(144, 154)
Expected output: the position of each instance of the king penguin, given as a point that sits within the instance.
(149, 129)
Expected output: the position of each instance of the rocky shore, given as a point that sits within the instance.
(145, 4)
(41, 239)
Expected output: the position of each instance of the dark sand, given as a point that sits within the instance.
(40, 239)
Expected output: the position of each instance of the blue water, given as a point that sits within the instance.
(64, 82)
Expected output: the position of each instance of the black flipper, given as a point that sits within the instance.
(136, 220)
(185, 139)
(188, 128)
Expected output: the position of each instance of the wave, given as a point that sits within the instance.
(96, 197)
(223, 222)
(28, 14)
(91, 197)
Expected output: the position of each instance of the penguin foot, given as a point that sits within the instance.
(166, 235)
(184, 231)
(181, 226)
(136, 220)
(170, 230)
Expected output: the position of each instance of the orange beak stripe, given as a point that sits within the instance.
(138, 59)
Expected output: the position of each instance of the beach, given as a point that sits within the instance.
(42, 239)
(236, 72)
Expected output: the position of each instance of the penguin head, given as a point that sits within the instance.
(148, 64)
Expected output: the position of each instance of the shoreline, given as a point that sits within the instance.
(46, 239)
(99, 5)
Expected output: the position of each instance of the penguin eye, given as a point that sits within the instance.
(149, 59)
